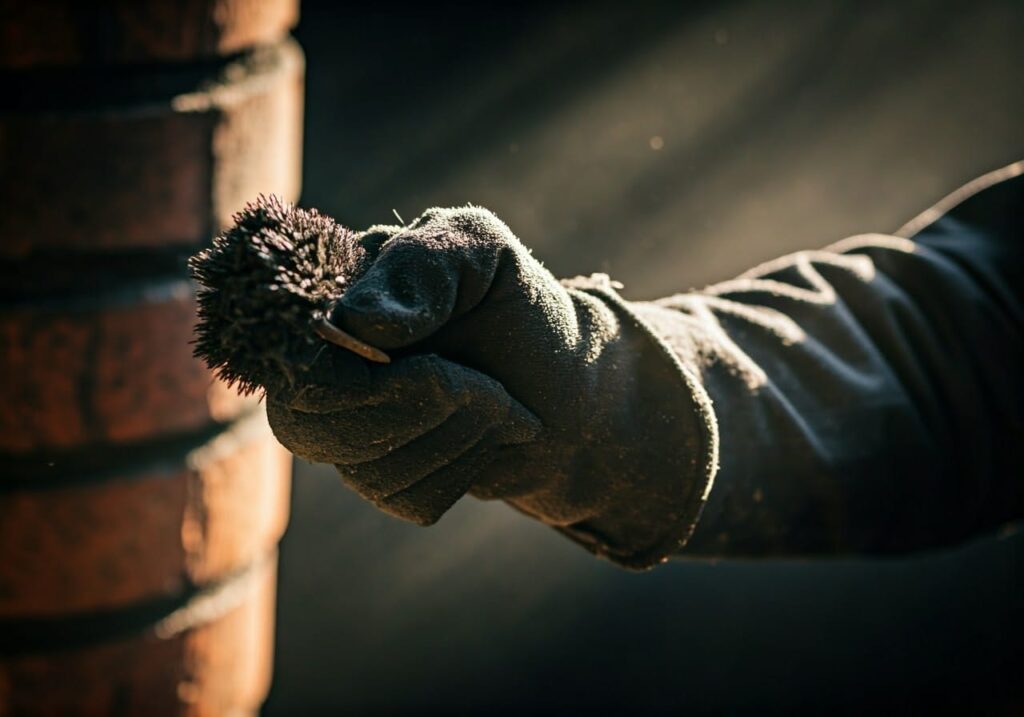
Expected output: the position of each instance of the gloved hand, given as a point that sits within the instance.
(507, 384)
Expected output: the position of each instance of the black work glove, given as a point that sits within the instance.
(555, 397)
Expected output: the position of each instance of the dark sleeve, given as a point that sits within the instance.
(868, 397)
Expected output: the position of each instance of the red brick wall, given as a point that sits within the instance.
(141, 501)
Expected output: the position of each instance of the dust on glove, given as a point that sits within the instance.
(507, 384)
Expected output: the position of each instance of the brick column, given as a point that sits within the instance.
(141, 502)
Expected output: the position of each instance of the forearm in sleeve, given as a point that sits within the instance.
(868, 397)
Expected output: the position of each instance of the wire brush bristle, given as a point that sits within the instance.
(262, 284)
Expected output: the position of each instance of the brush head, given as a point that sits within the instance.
(263, 284)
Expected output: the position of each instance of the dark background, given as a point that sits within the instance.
(782, 126)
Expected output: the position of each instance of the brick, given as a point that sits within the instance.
(60, 33)
(111, 543)
(114, 367)
(161, 174)
(221, 665)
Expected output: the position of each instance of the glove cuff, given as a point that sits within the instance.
(652, 516)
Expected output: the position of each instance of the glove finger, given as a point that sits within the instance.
(441, 266)
(406, 400)
(361, 434)
(396, 403)
(336, 379)
(425, 501)
(477, 405)
(406, 295)
(374, 238)
(422, 479)
(377, 479)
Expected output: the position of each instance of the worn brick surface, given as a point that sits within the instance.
(109, 176)
(114, 367)
(219, 666)
(110, 543)
(57, 32)
(156, 175)
(238, 500)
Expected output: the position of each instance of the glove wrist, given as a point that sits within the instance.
(633, 487)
